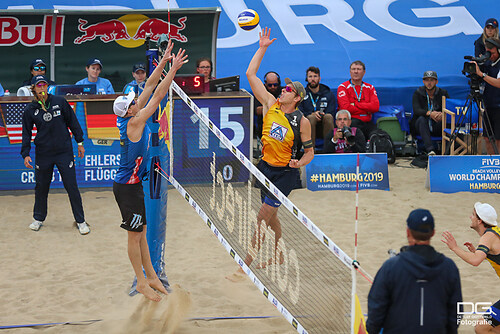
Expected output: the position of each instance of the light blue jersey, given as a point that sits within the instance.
(134, 156)
(103, 86)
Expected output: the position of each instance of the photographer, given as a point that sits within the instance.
(490, 72)
(343, 138)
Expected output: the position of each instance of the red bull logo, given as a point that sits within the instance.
(12, 32)
(118, 30)
(107, 31)
(156, 27)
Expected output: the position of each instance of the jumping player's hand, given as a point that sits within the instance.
(449, 240)
(264, 38)
(294, 163)
(470, 247)
(168, 51)
(27, 162)
(179, 59)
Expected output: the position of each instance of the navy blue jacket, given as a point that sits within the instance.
(323, 101)
(491, 95)
(415, 292)
(52, 127)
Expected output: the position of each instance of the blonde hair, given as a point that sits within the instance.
(484, 37)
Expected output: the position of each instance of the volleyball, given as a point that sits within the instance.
(248, 19)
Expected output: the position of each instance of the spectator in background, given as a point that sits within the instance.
(344, 138)
(52, 115)
(359, 98)
(318, 105)
(272, 82)
(94, 68)
(416, 291)
(37, 67)
(490, 31)
(2, 92)
(139, 74)
(484, 222)
(204, 66)
(427, 110)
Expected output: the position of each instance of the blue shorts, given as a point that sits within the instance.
(284, 178)
(494, 315)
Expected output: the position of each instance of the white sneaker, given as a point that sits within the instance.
(35, 226)
(83, 228)
(431, 153)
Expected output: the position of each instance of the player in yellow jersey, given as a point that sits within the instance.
(284, 132)
(484, 222)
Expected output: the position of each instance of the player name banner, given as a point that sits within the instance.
(338, 172)
(473, 173)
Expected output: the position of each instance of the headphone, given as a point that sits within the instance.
(279, 79)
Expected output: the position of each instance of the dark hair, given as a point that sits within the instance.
(313, 69)
(358, 62)
(198, 62)
(421, 236)
(492, 43)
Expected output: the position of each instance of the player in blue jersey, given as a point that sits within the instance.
(132, 115)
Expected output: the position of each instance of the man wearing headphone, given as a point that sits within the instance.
(272, 82)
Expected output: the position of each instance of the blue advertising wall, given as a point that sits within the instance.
(397, 39)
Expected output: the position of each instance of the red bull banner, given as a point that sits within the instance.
(117, 38)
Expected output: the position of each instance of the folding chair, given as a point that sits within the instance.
(450, 119)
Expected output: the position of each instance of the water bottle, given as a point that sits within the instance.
(6, 93)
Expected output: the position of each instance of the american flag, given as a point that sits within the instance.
(12, 114)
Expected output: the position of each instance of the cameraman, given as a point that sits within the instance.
(343, 138)
(490, 72)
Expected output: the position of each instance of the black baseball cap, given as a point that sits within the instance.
(39, 78)
(430, 74)
(139, 67)
(94, 61)
(491, 22)
(37, 61)
(420, 220)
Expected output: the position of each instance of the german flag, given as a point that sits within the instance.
(101, 121)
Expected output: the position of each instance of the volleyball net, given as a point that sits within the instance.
(300, 270)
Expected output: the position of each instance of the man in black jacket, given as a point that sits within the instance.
(318, 105)
(427, 110)
(52, 116)
(416, 291)
(344, 138)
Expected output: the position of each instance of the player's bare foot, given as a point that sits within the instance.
(148, 292)
(156, 284)
(238, 276)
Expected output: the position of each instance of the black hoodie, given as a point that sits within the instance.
(415, 292)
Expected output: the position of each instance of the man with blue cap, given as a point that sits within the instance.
(416, 291)
(52, 115)
(94, 68)
(139, 74)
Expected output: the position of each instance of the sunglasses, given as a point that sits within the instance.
(39, 68)
(41, 84)
(272, 84)
(289, 89)
(131, 104)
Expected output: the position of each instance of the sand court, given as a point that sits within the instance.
(56, 275)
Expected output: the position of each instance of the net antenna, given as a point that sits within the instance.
(302, 272)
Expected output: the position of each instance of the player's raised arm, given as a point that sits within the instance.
(259, 90)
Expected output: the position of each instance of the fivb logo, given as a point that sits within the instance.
(475, 308)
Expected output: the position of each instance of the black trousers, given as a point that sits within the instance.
(424, 130)
(44, 168)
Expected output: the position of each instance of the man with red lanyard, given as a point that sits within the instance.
(359, 98)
